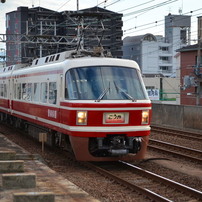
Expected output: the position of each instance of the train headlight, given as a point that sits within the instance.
(81, 118)
(145, 116)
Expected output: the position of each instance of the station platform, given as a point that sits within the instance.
(24, 178)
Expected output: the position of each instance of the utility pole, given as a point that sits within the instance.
(161, 88)
(41, 33)
(198, 65)
(198, 74)
(77, 5)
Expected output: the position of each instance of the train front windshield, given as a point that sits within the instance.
(104, 83)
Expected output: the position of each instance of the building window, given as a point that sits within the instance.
(163, 48)
(163, 58)
(164, 68)
(196, 58)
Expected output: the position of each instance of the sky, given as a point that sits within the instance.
(139, 16)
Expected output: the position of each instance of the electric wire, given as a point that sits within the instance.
(150, 8)
(135, 6)
(113, 43)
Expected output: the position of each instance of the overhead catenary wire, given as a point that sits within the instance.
(153, 24)
(145, 9)
(136, 6)
(149, 8)
(113, 26)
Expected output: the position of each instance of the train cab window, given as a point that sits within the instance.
(36, 92)
(104, 82)
(44, 91)
(52, 93)
(46, 59)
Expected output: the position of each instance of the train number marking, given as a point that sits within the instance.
(114, 118)
(52, 113)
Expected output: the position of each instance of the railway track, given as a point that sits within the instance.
(151, 185)
(176, 150)
(178, 133)
(122, 178)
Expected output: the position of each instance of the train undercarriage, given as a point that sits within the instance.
(114, 145)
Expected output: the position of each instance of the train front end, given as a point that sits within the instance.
(106, 110)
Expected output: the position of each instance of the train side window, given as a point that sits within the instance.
(44, 91)
(52, 93)
(1, 90)
(18, 91)
(36, 92)
(29, 92)
(24, 92)
(5, 90)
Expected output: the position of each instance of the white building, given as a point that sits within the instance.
(157, 54)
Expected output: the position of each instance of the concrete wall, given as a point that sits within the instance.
(177, 116)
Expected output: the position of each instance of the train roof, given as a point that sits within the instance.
(72, 59)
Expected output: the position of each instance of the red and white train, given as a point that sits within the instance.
(96, 105)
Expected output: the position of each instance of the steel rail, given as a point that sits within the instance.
(166, 181)
(146, 192)
(194, 159)
(175, 132)
(176, 146)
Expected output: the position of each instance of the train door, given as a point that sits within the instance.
(60, 95)
(10, 94)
